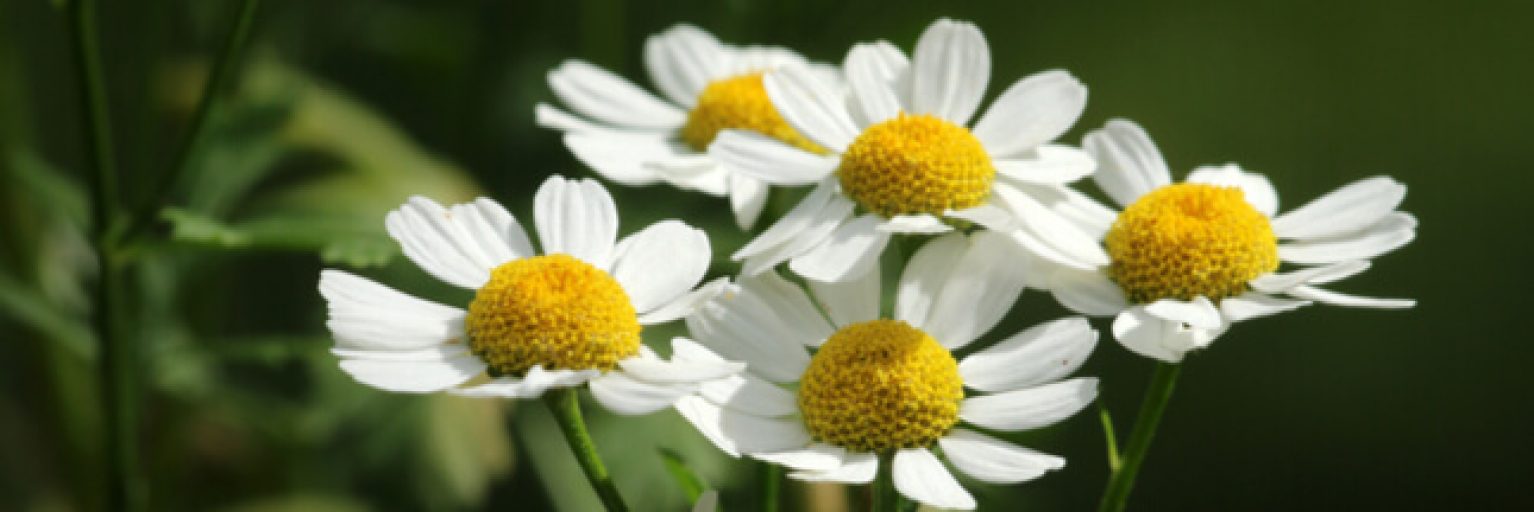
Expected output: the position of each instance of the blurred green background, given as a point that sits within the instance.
(343, 108)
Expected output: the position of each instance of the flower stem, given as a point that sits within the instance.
(1116, 496)
(772, 483)
(116, 382)
(566, 406)
(884, 497)
(1109, 438)
(222, 72)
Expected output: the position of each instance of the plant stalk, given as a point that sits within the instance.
(884, 498)
(566, 406)
(1163, 382)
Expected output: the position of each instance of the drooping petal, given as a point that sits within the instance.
(1353, 301)
(1279, 282)
(532, 385)
(737, 433)
(815, 457)
(856, 468)
(995, 461)
(748, 196)
(1255, 305)
(920, 476)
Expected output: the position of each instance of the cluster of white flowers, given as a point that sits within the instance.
(803, 369)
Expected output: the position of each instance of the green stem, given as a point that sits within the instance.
(1109, 438)
(117, 383)
(1116, 496)
(884, 496)
(221, 74)
(772, 484)
(566, 406)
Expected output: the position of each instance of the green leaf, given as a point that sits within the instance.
(691, 483)
(337, 241)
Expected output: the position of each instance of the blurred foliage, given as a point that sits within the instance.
(345, 108)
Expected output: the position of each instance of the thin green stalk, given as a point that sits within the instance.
(566, 406)
(117, 383)
(222, 73)
(885, 498)
(772, 484)
(1163, 382)
(1109, 438)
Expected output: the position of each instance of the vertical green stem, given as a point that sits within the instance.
(772, 484)
(1116, 496)
(1109, 437)
(117, 385)
(221, 74)
(885, 498)
(566, 406)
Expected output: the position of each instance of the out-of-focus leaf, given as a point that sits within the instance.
(302, 503)
(48, 185)
(466, 440)
(690, 482)
(37, 312)
(336, 241)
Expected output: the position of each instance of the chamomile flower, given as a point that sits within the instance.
(634, 138)
(827, 396)
(1187, 260)
(902, 151)
(568, 317)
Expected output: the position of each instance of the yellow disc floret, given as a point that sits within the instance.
(555, 311)
(738, 103)
(916, 164)
(1186, 240)
(879, 385)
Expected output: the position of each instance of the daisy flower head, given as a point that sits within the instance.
(902, 153)
(567, 317)
(1185, 261)
(635, 138)
(830, 390)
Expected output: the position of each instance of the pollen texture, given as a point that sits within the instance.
(916, 164)
(555, 311)
(879, 385)
(738, 103)
(1186, 240)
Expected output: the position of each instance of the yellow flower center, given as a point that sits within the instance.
(916, 164)
(1186, 240)
(739, 103)
(555, 311)
(879, 385)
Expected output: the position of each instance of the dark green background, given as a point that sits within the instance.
(1326, 408)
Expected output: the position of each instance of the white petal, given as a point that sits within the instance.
(817, 230)
(856, 468)
(1088, 292)
(1043, 353)
(750, 394)
(1353, 301)
(531, 385)
(768, 159)
(799, 317)
(741, 326)
(872, 69)
(995, 461)
(748, 196)
(1255, 305)
(1281, 282)
(851, 301)
(576, 217)
(681, 61)
(1128, 163)
(1033, 111)
(1040, 228)
(814, 108)
(738, 433)
(1086, 213)
(1155, 337)
(816, 457)
(752, 59)
(924, 276)
(459, 245)
(1256, 187)
(598, 94)
(685, 304)
(549, 116)
(1049, 164)
(796, 221)
(678, 371)
(1199, 312)
(1030, 408)
(619, 158)
(950, 70)
(1390, 233)
(418, 371)
(366, 315)
(850, 252)
(982, 289)
(922, 478)
(1355, 206)
(623, 394)
(919, 224)
(695, 171)
(660, 263)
